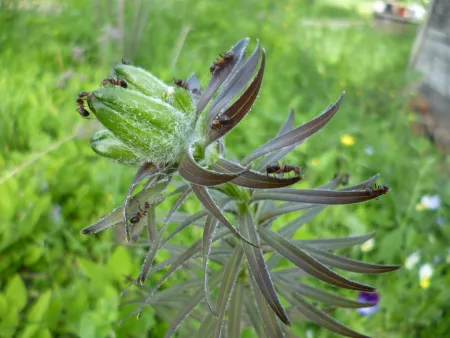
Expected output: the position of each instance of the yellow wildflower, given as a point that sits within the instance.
(425, 273)
(420, 207)
(368, 245)
(347, 140)
(315, 162)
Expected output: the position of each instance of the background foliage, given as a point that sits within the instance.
(53, 281)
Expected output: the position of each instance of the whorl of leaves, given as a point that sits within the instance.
(242, 287)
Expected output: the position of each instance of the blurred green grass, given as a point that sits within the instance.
(56, 282)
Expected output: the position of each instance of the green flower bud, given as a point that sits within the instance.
(141, 80)
(154, 130)
(104, 143)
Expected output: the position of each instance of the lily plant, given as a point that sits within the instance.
(175, 134)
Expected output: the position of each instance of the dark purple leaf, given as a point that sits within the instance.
(221, 73)
(297, 135)
(258, 268)
(239, 108)
(328, 197)
(348, 264)
(269, 319)
(307, 263)
(191, 171)
(233, 85)
(252, 179)
(207, 201)
(323, 296)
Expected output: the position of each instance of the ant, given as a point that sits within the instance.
(141, 213)
(220, 122)
(180, 83)
(126, 62)
(83, 112)
(379, 188)
(276, 168)
(115, 82)
(225, 58)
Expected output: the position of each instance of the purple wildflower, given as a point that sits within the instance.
(372, 297)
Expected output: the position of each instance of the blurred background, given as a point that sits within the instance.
(55, 282)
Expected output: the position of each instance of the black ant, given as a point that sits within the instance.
(382, 189)
(220, 122)
(126, 62)
(276, 168)
(115, 82)
(225, 59)
(83, 112)
(180, 83)
(141, 213)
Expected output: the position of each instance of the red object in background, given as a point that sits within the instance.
(401, 11)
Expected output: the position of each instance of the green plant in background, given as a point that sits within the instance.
(179, 131)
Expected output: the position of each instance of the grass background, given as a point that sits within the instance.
(55, 282)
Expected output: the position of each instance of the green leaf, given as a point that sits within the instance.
(235, 311)
(9, 324)
(36, 314)
(120, 263)
(16, 293)
(3, 305)
(92, 270)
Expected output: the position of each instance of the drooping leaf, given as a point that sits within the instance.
(233, 85)
(207, 201)
(348, 264)
(208, 235)
(324, 296)
(235, 311)
(258, 268)
(253, 179)
(221, 73)
(282, 209)
(307, 263)
(269, 319)
(328, 197)
(289, 229)
(191, 171)
(226, 287)
(239, 108)
(297, 135)
(114, 218)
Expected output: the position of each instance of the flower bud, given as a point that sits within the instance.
(141, 80)
(104, 143)
(153, 129)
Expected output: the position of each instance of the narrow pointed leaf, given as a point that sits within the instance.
(233, 85)
(324, 296)
(279, 154)
(348, 264)
(191, 171)
(328, 197)
(255, 317)
(220, 74)
(226, 288)
(239, 108)
(208, 235)
(269, 319)
(252, 179)
(258, 268)
(281, 210)
(308, 264)
(194, 87)
(333, 243)
(235, 311)
(322, 318)
(136, 229)
(297, 135)
(194, 301)
(152, 227)
(113, 218)
(289, 229)
(363, 185)
(207, 201)
(145, 171)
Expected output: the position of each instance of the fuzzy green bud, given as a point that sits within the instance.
(154, 130)
(104, 143)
